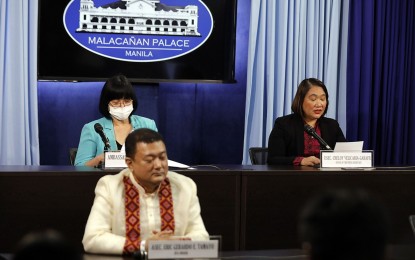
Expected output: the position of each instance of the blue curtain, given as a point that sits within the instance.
(381, 76)
(290, 41)
(19, 140)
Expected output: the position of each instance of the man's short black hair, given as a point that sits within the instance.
(141, 135)
(344, 224)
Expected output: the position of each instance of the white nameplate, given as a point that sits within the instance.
(174, 249)
(357, 159)
(114, 159)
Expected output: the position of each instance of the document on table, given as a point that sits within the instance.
(348, 146)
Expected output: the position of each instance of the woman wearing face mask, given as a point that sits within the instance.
(117, 103)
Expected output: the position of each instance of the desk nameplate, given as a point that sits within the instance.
(174, 249)
(114, 159)
(348, 159)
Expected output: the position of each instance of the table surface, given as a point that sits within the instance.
(394, 252)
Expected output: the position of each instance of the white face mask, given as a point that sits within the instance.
(121, 113)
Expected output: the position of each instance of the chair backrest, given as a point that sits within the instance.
(258, 155)
(72, 155)
(412, 222)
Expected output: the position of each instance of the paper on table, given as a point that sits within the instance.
(348, 146)
(178, 165)
(170, 162)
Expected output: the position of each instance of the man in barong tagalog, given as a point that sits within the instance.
(143, 202)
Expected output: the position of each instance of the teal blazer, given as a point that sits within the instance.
(91, 144)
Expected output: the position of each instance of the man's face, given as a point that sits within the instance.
(149, 165)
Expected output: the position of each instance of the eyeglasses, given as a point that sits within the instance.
(120, 102)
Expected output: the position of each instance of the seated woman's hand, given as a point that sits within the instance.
(310, 161)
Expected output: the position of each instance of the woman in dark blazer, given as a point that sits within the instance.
(288, 143)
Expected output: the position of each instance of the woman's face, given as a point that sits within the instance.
(314, 104)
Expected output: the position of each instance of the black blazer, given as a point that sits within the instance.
(286, 140)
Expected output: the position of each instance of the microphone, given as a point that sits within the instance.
(310, 130)
(100, 131)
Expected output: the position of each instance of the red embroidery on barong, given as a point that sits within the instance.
(132, 213)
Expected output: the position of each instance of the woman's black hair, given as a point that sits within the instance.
(116, 87)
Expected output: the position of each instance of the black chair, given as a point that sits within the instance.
(412, 222)
(72, 155)
(258, 155)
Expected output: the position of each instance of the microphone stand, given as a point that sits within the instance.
(107, 147)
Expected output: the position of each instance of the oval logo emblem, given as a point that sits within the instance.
(138, 30)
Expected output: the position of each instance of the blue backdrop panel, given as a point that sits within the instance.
(64, 107)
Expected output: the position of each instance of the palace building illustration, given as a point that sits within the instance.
(138, 17)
